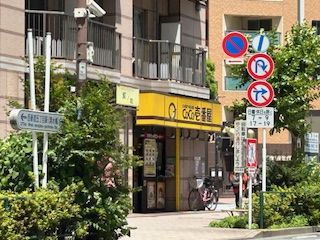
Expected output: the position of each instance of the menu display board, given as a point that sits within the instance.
(150, 155)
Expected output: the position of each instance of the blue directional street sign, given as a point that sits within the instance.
(260, 43)
(235, 44)
(260, 93)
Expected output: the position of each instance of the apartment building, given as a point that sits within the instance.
(248, 17)
(154, 52)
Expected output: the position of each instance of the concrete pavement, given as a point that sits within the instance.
(185, 225)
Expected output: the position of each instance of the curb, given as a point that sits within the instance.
(286, 231)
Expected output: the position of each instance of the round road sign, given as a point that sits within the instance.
(260, 43)
(235, 44)
(260, 93)
(260, 66)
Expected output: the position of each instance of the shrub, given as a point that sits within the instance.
(295, 221)
(231, 222)
(45, 212)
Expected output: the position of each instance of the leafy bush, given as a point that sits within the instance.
(295, 221)
(231, 222)
(16, 162)
(45, 212)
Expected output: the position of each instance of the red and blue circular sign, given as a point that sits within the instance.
(260, 93)
(260, 66)
(235, 44)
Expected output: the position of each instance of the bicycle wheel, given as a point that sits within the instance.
(212, 203)
(194, 200)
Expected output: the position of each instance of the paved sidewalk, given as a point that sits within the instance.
(185, 225)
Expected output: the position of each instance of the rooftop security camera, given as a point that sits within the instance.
(95, 9)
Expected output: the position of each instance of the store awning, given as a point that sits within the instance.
(178, 112)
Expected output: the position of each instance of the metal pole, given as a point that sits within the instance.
(264, 160)
(250, 202)
(33, 107)
(240, 190)
(178, 169)
(46, 109)
(261, 206)
(82, 39)
(300, 11)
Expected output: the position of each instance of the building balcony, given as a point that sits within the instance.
(164, 60)
(275, 37)
(107, 42)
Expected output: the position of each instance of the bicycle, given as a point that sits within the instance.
(203, 195)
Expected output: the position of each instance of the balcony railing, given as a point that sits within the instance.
(107, 42)
(159, 59)
(250, 34)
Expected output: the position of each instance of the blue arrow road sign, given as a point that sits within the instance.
(260, 43)
(262, 91)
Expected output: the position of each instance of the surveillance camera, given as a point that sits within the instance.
(95, 9)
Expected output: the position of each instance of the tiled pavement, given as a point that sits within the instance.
(185, 225)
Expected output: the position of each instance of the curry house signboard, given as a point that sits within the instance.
(180, 112)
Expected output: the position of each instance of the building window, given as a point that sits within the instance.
(316, 24)
(139, 21)
(232, 83)
(266, 24)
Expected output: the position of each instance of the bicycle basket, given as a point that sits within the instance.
(196, 183)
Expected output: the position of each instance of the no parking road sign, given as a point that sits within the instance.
(235, 44)
(260, 93)
(260, 66)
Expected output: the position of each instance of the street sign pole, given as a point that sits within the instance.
(33, 107)
(264, 160)
(46, 109)
(250, 202)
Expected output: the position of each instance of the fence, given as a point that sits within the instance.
(107, 42)
(161, 59)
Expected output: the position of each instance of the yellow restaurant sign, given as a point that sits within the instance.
(181, 112)
(127, 96)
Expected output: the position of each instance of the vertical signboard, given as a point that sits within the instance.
(311, 145)
(239, 147)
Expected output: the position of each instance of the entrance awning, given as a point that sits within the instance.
(178, 112)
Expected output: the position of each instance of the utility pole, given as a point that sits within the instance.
(82, 40)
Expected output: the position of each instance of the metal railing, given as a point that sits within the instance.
(107, 42)
(161, 59)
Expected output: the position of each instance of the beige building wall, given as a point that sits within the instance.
(12, 68)
(234, 15)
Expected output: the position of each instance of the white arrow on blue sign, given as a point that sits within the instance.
(260, 43)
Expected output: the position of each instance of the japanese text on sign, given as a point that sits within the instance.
(239, 144)
(196, 113)
(260, 117)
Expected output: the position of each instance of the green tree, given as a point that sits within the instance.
(210, 81)
(79, 153)
(295, 80)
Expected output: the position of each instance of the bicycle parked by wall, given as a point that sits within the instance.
(203, 194)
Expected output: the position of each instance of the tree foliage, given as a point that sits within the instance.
(79, 153)
(210, 81)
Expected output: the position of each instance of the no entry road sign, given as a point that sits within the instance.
(260, 66)
(260, 93)
(235, 44)
(260, 43)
